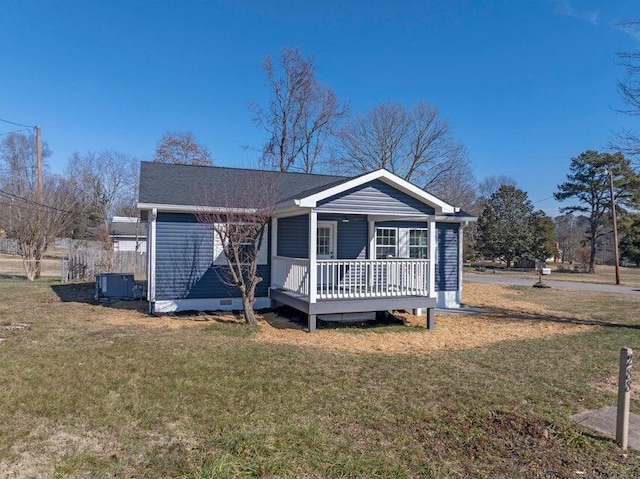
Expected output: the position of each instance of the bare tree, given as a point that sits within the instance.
(491, 184)
(18, 153)
(239, 222)
(416, 144)
(458, 188)
(301, 116)
(571, 235)
(35, 225)
(628, 141)
(103, 181)
(181, 148)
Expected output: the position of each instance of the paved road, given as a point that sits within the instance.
(497, 278)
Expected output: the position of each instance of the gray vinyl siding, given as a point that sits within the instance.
(293, 236)
(352, 235)
(184, 262)
(447, 261)
(375, 197)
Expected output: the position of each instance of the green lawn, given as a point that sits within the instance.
(93, 391)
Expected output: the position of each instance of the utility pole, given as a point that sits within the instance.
(39, 150)
(615, 227)
(40, 197)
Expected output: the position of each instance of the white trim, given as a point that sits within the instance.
(193, 208)
(274, 248)
(313, 270)
(334, 237)
(151, 278)
(387, 177)
(372, 239)
(464, 220)
(397, 245)
(206, 304)
(448, 299)
(432, 258)
(296, 211)
(460, 261)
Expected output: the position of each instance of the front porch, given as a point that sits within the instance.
(338, 269)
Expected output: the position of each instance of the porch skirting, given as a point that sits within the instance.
(330, 306)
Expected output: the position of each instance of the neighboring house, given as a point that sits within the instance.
(336, 247)
(128, 234)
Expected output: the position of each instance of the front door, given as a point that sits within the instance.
(326, 246)
(326, 240)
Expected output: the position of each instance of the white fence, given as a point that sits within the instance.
(354, 279)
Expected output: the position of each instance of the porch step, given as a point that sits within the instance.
(348, 317)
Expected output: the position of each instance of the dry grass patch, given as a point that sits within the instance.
(459, 331)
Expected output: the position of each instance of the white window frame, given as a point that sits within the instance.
(409, 245)
(219, 258)
(395, 246)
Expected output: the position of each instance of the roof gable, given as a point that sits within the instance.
(383, 176)
(375, 197)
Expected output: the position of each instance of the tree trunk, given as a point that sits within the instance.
(592, 256)
(247, 309)
(38, 264)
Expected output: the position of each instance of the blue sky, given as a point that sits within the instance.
(525, 84)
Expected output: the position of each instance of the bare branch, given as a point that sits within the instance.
(240, 228)
(302, 114)
(181, 148)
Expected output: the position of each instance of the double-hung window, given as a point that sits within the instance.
(402, 243)
(418, 243)
(386, 243)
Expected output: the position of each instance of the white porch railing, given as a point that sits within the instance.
(291, 274)
(356, 278)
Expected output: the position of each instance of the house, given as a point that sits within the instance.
(336, 248)
(128, 234)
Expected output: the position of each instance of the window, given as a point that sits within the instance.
(418, 244)
(386, 243)
(323, 246)
(244, 235)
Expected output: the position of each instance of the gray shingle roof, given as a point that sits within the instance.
(188, 185)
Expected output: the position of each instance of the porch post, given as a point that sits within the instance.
(274, 249)
(151, 258)
(372, 239)
(432, 257)
(313, 268)
(460, 261)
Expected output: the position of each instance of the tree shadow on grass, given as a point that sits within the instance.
(510, 315)
(85, 293)
(14, 277)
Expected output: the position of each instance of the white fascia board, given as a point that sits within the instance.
(399, 217)
(193, 209)
(389, 178)
(290, 211)
(456, 219)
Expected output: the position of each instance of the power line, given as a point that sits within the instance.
(35, 203)
(15, 131)
(17, 124)
(543, 199)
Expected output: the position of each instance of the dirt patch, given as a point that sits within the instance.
(452, 332)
